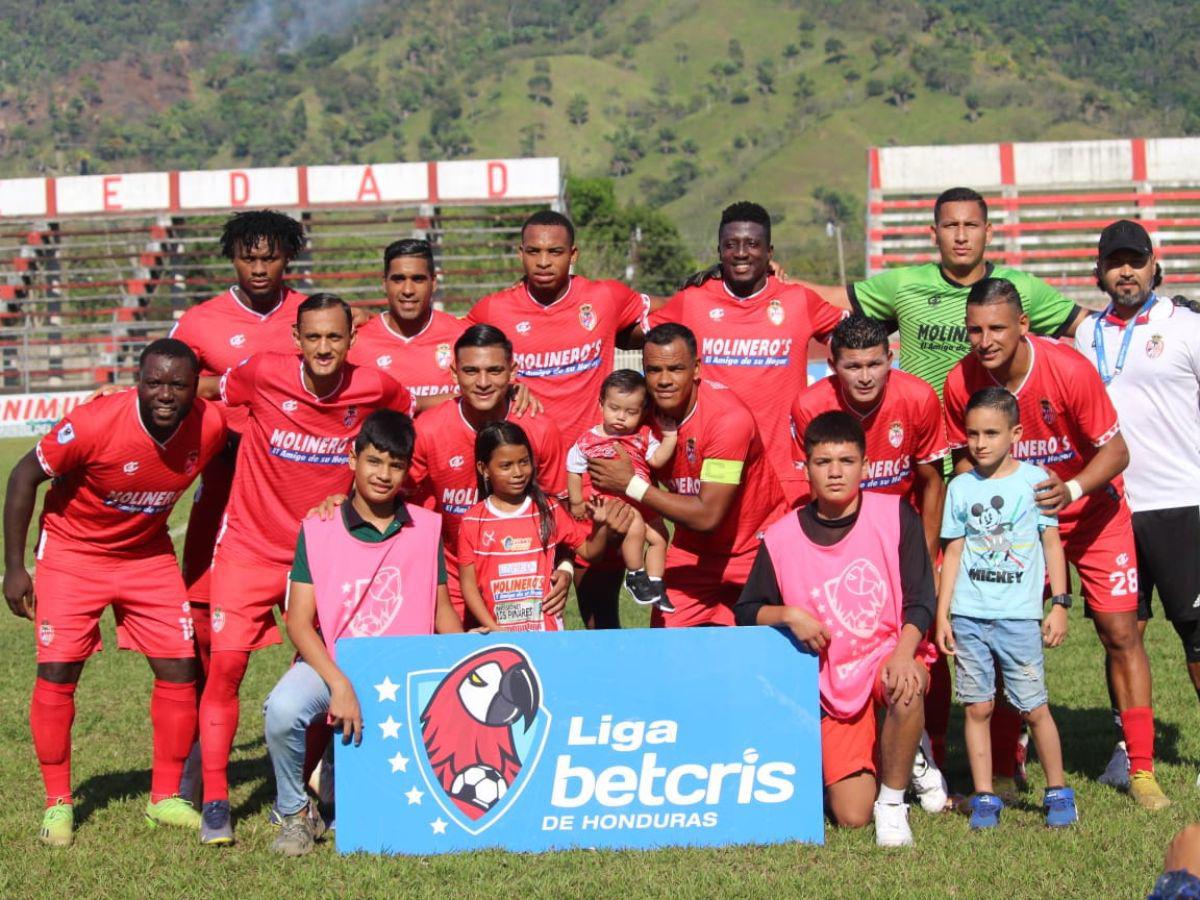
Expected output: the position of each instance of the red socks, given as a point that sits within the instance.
(173, 714)
(51, 712)
(219, 719)
(1138, 725)
(202, 628)
(1006, 731)
(937, 709)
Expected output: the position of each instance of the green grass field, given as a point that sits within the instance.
(1116, 851)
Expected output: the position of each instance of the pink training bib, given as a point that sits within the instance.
(372, 590)
(854, 588)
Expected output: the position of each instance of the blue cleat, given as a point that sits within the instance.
(985, 811)
(216, 823)
(1059, 804)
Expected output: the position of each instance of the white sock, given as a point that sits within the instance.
(890, 796)
(654, 577)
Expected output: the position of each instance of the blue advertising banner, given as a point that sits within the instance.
(540, 741)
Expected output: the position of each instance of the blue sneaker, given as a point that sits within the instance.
(1059, 804)
(216, 825)
(985, 811)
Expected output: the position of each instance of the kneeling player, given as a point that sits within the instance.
(119, 464)
(868, 551)
(623, 406)
(376, 535)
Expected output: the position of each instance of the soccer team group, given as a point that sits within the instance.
(486, 464)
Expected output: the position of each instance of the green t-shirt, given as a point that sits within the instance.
(365, 532)
(930, 311)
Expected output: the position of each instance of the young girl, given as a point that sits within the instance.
(623, 402)
(511, 542)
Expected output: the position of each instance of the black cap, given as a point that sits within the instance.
(1125, 235)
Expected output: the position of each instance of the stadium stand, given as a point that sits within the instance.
(94, 267)
(1047, 202)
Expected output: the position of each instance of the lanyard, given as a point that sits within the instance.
(1126, 338)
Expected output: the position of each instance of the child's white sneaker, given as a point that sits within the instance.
(891, 825)
(928, 782)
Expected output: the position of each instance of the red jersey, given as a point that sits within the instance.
(293, 453)
(421, 363)
(718, 442)
(1066, 414)
(512, 568)
(564, 350)
(223, 331)
(904, 429)
(443, 464)
(115, 485)
(758, 347)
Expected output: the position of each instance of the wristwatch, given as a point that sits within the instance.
(1063, 600)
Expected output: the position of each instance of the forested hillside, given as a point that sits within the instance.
(685, 104)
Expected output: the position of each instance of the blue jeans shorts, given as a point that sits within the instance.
(1014, 646)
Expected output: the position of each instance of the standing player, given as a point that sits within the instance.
(303, 413)
(1147, 351)
(254, 316)
(563, 327)
(722, 490)
(119, 464)
(1071, 430)
(900, 414)
(410, 340)
(868, 549)
(443, 461)
(927, 302)
(754, 330)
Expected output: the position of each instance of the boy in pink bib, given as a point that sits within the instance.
(374, 568)
(849, 574)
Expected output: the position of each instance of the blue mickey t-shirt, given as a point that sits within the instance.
(1002, 571)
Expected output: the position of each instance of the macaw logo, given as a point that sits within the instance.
(587, 316)
(442, 356)
(483, 729)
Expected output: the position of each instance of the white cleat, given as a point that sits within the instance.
(1116, 773)
(928, 782)
(891, 825)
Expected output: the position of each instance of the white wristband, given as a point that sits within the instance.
(566, 566)
(637, 487)
(1074, 490)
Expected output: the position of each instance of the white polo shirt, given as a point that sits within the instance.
(1157, 396)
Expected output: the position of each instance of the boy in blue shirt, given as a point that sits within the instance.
(998, 547)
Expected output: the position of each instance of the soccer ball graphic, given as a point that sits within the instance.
(478, 785)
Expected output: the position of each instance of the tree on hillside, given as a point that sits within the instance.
(834, 50)
(539, 87)
(736, 56)
(577, 109)
(530, 135)
(804, 87)
(666, 140)
(790, 54)
(901, 90)
(881, 47)
(974, 102)
(765, 73)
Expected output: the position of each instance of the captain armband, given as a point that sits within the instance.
(722, 471)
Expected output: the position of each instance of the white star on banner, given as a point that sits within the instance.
(390, 728)
(399, 762)
(414, 796)
(438, 825)
(815, 593)
(345, 587)
(387, 690)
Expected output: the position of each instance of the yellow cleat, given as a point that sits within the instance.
(58, 825)
(1145, 790)
(173, 811)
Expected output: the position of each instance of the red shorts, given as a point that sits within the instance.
(1099, 543)
(72, 589)
(702, 589)
(850, 746)
(204, 523)
(245, 595)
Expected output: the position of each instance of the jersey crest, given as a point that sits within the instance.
(193, 460)
(350, 417)
(587, 316)
(775, 312)
(442, 356)
(896, 434)
(689, 449)
(1154, 346)
(1047, 411)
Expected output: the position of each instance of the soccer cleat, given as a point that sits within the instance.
(641, 588)
(891, 825)
(1059, 804)
(58, 825)
(172, 811)
(928, 783)
(1145, 790)
(216, 823)
(1116, 773)
(1020, 758)
(298, 833)
(985, 811)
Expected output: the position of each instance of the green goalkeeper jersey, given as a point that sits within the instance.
(930, 311)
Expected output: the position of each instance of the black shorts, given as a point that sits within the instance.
(1168, 558)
